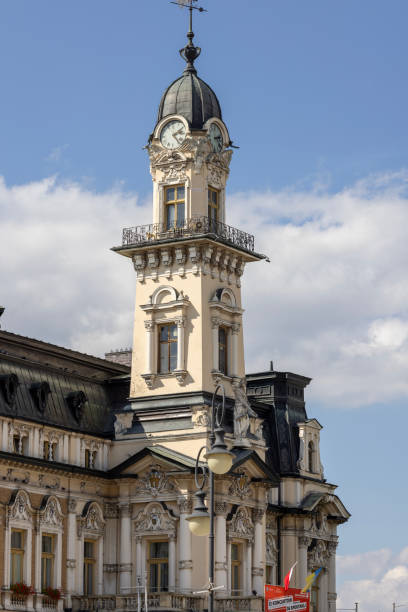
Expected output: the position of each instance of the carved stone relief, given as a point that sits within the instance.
(241, 526)
(155, 482)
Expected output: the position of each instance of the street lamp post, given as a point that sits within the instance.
(219, 461)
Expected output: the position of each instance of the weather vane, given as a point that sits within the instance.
(190, 5)
(190, 52)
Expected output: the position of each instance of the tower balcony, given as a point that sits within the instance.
(187, 228)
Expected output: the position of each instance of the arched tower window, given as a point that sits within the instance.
(311, 456)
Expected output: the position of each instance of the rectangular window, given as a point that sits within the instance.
(47, 560)
(17, 448)
(89, 567)
(174, 203)
(236, 555)
(213, 196)
(90, 458)
(167, 348)
(222, 350)
(17, 555)
(158, 566)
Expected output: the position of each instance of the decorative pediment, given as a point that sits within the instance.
(19, 507)
(240, 486)
(50, 514)
(241, 525)
(155, 518)
(155, 482)
(91, 521)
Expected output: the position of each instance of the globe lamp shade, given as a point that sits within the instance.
(219, 462)
(199, 525)
(219, 458)
(199, 520)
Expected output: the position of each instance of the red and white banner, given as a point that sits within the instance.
(291, 600)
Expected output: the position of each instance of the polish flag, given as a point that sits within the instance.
(289, 576)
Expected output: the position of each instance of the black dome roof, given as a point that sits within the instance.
(191, 98)
(188, 95)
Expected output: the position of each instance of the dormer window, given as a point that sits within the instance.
(213, 206)
(174, 206)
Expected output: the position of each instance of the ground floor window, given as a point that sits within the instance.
(158, 566)
(89, 567)
(17, 546)
(236, 568)
(47, 560)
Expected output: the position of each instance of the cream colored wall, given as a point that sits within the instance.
(200, 289)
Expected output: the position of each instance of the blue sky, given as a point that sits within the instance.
(315, 94)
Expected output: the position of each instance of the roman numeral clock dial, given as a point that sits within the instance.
(173, 134)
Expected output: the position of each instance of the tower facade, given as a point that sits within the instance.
(188, 316)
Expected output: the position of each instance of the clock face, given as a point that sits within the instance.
(215, 136)
(173, 134)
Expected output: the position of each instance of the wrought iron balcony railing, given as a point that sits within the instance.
(157, 232)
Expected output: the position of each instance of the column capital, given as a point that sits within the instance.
(110, 510)
(332, 547)
(125, 509)
(184, 504)
(180, 321)
(235, 328)
(304, 541)
(257, 515)
(72, 505)
(215, 322)
(221, 508)
(149, 325)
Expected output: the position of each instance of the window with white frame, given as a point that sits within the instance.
(18, 539)
(17, 551)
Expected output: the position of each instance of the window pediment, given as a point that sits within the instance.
(50, 514)
(19, 507)
(154, 518)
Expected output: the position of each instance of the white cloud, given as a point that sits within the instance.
(332, 304)
(380, 579)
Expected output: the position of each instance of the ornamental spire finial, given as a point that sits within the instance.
(190, 52)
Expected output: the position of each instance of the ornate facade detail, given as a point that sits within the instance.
(154, 518)
(110, 568)
(8, 386)
(317, 555)
(19, 508)
(91, 520)
(241, 525)
(76, 401)
(125, 567)
(240, 486)
(149, 380)
(200, 417)
(221, 507)
(221, 565)
(71, 563)
(110, 510)
(319, 524)
(185, 505)
(155, 482)
(185, 564)
(51, 515)
(215, 176)
(271, 551)
(72, 505)
(242, 414)
(304, 542)
(257, 515)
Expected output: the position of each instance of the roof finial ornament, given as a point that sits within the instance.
(190, 52)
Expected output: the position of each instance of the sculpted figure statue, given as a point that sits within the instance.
(242, 414)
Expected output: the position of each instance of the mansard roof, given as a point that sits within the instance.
(59, 387)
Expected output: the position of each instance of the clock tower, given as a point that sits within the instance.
(189, 263)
